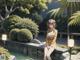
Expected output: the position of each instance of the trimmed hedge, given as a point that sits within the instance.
(13, 34)
(24, 35)
(20, 35)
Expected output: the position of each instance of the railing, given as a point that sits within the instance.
(61, 34)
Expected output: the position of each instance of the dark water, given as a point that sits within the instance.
(20, 56)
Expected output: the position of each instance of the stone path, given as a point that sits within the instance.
(76, 57)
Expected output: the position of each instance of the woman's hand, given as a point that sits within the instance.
(48, 47)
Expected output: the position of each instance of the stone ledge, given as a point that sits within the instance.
(42, 46)
(36, 50)
(59, 53)
(12, 57)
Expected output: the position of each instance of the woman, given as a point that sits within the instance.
(50, 39)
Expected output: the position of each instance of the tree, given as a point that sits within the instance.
(66, 7)
(74, 22)
(36, 18)
(74, 19)
(7, 7)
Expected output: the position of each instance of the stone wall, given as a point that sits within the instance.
(36, 50)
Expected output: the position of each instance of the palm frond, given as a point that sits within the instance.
(64, 5)
(59, 11)
(74, 19)
(55, 12)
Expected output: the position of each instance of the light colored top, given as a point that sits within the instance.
(51, 38)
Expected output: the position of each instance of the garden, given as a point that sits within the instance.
(23, 28)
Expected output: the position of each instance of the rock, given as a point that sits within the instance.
(74, 52)
(60, 54)
(65, 56)
(36, 41)
(12, 57)
(1, 57)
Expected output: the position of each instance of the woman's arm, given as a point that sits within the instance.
(46, 43)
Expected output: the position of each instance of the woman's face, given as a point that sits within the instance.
(51, 25)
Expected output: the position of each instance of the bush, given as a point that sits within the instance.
(10, 22)
(6, 52)
(13, 34)
(25, 35)
(17, 22)
(28, 24)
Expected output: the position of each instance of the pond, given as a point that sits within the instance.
(20, 56)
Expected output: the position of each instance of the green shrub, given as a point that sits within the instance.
(6, 52)
(18, 22)
(25, 35)
(28, 24)
(10, 22)
(13, 34)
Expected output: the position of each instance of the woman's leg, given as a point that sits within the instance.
(49, 53)
(45, 53)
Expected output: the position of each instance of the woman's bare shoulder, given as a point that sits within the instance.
(56, 30)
